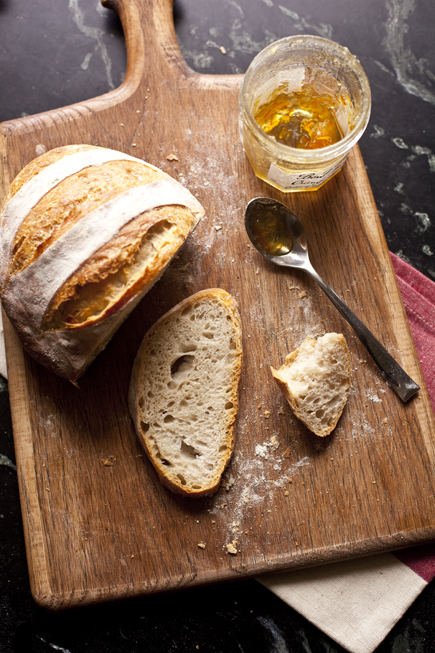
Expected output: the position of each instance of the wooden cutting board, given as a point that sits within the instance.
(98, 524)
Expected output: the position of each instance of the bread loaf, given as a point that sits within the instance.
(84, 233)
(183, 391)
(315, 379)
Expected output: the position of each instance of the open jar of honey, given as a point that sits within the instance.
(304, 103)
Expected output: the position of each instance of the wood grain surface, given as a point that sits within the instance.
(98, 524)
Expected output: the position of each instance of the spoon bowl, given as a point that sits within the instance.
(278, 234)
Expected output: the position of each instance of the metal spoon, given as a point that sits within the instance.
(278, 234)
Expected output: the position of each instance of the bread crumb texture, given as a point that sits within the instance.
(315, 379)
(184, 391)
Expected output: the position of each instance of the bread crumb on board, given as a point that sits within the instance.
(172, 157)
(231, 547)
(201, 545)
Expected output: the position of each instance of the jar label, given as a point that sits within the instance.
(300, 180)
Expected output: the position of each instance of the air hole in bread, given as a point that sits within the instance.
(228, 405)
(189, 451)
(181, 479)
(320, 413)
(141, 402)
(232, 344)
(208, 334)
(181, 366)
(144, 427)
(223, 448)
(196, 487)
(168, 419)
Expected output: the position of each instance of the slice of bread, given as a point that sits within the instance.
(315, 380)
(183, 393)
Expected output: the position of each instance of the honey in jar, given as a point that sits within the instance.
(304, 119)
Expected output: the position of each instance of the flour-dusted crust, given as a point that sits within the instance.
(183, 395)
(84, 234)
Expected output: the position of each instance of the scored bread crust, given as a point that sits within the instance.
(84, 233)
(178, 436)
(323, 387)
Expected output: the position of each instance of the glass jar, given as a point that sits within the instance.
(303, 65)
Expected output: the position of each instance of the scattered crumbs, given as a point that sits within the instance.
(286, 493)
(231, 547)
(229, 484)
(385, 421)
(218, 227)
(222, 49)
(286, 453)
(381, 572)
(296, 543)
(303, 482)
(137, 110)
(132, 556)
(122, 124)
(257, 271)
(302, 294)
(133, 144)
(223, 505)
(281, 412)
(48, 489)
(374, 482)
(259, 406)
(107, 462)
(290, 480)
(266, 413)
(213, 521)
(172, 157)
(201, 545)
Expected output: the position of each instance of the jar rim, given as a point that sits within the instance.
(331, 47)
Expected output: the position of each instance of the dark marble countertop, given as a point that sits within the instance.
(56, 53)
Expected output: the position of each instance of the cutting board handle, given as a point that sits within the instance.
(153, 56)
(149, 27)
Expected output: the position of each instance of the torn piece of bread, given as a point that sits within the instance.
(315, 380)
(84, 233)
(183, 393)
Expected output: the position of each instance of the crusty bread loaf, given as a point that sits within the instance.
(315, 379)
(183, 391)
(84, 233)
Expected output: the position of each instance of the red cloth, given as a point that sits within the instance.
(418, 294)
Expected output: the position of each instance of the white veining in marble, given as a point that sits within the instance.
(302, 24)
(403, 60)
(378, 132)
(6, 462)
(93, 33)
(278, 641)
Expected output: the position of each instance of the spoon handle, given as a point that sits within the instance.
(395, 376)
